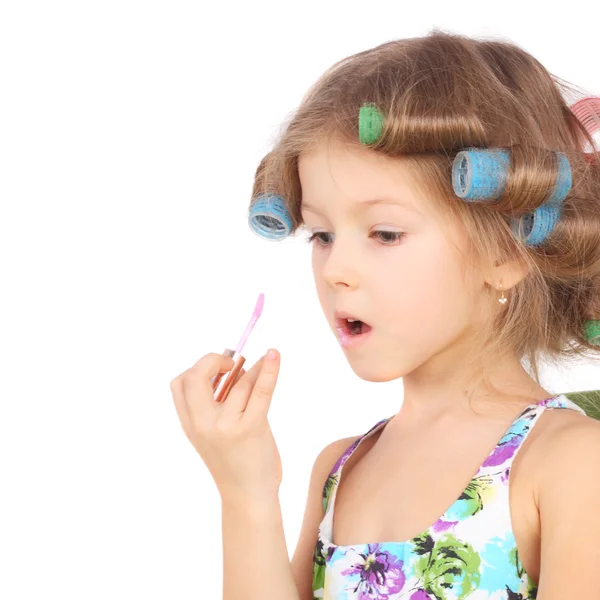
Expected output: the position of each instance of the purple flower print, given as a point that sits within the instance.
(344, 456)
(442, 525)
(421, 595)
(502, 452)
(380, 573)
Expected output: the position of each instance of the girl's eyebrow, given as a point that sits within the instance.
(367, 203)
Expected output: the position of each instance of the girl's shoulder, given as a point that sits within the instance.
(563, 420)
(566, 491)
(562, 439)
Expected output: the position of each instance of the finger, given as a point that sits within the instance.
(197, 381)
(239, 375)
(209, 366)
(180, 404)
(260, 398)
(217, 364)
(236, 401)
(207, 363)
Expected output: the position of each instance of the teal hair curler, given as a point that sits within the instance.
(269, 217)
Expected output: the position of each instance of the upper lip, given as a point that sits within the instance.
(341, 316)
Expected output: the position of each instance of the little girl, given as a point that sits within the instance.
(454, 216)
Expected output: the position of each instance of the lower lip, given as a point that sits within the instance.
(352, 341)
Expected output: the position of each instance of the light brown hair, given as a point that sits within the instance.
(445, 92)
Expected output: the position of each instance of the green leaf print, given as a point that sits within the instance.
(471, 500)
(423, 544)
(451, 564)
(532, 590)
(513, 557)
(329, 485)
(318, 570)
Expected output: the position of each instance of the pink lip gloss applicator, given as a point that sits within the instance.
(223, 382)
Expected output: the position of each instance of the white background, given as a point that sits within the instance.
(129, 137)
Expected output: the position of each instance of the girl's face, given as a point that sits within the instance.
(408, 284)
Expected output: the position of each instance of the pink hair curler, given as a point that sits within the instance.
(587, 111)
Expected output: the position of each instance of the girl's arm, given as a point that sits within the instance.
(256, 565)
(302, 561)
(569, 505)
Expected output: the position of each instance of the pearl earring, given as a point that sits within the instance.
(503, 299)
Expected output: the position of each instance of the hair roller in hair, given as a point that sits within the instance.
(370, 124)
(533, 228)
(480, 175)
(587, 110)
(592, 331)
(269, 217)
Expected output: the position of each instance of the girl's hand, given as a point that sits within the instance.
(233, 438)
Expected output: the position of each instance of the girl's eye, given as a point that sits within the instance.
(383, 235)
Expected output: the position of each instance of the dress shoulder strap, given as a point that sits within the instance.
(562, 401)
(336, 472)
(508, 447)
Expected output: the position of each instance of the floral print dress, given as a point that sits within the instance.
(469, 552)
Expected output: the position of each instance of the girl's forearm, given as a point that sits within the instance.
(256, 565)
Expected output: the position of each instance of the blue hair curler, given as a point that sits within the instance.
(533, 228)
(480, 175)
(269, 217)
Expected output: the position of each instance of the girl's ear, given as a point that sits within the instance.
(509, 273)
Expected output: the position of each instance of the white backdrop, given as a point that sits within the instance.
(129, 137)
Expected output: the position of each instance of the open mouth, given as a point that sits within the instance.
(354, 327)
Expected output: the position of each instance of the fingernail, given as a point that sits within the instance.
(272, 354)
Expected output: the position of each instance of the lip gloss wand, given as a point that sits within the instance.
(223, 382)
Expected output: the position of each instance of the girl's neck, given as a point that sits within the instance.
(429, 397)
